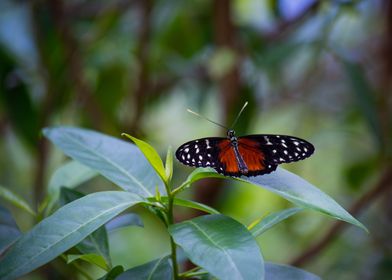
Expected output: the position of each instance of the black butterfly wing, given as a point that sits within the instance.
(277, 149)
(202, 152)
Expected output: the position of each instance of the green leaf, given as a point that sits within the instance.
(198, 174)
(159, 269)
(70, 175)
(129, 219)
(118, 161)
(9, 230)
(187, 203)
(113, 273)
(193, 205)
(301, 193)
(152, 156)
(169, 164)
(97, 242)
(94, 259)
(16, 200)
(273, 219)
(220, 245)
(278, 272)
(64, 229)
(295, 189)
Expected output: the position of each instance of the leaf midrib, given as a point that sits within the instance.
(112, 163)
(217, 245)
(155, 268)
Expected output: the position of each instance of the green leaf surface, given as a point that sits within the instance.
(118, 161)
(193, 205)
(64, 229)
(70, 175)
(301, 193)
(97, 242)
(169, 164)
(9, 230)
(188, 203)
(291, 187)
(94, 259)
(125, 220)
(152, 156)
(220, 245)
(113, 273)
(201, 173)
(15, 200)
(273, 219)
(279, 271)
(159, 269)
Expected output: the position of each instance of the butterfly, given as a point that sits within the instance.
(249, 155)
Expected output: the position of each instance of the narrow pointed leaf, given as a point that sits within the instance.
(119, 161)
(169, 164)
(64, 229)
(16, 200)
(301, 193)
(113, 273)
(273, 219)
(201, 173)
(152, 156)
(220, 245)
(160, 269)
(279, 271)
(194, 205)
(94, 259)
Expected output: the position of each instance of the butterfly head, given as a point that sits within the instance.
(231, 135)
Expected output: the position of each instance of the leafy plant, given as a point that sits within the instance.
(218, 245)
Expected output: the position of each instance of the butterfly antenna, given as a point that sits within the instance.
(239, 114)
(200, 116)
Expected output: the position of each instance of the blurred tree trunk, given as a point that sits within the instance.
(142, 89)
(229, 86)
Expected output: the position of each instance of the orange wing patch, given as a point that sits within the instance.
(227, 157)
(251, 153)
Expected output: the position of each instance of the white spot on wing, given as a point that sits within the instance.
(208, 144)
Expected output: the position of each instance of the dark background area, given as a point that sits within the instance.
(319, 70)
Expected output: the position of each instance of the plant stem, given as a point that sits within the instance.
(170, 220)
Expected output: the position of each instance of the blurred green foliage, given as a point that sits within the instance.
(319, 70)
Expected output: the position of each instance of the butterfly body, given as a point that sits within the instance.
(250, 155)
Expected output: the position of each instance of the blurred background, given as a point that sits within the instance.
(319, 70)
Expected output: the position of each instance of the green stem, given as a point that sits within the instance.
(170, 221)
